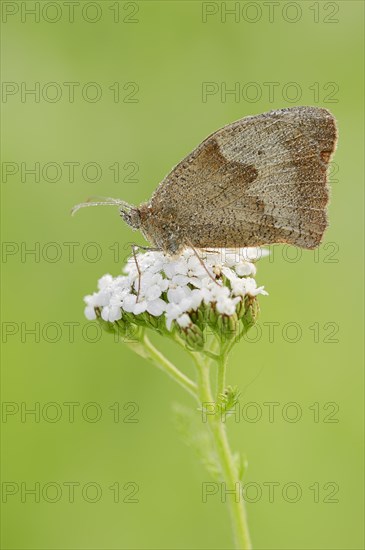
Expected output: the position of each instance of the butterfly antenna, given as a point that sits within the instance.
(101, 201)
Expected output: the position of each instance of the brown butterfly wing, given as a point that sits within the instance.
(260, 180)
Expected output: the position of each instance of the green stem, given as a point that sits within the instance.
(147, 350)
(202, 392)
(221, 373)
(229, 469)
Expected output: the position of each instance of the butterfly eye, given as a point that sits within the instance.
(131, 216)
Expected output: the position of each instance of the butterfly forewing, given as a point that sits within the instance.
(260, 180)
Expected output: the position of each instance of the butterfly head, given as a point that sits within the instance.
(131, 215)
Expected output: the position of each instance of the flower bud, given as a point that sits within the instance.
(252, 310)
(193, 336)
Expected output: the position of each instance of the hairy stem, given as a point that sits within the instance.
(229, 468)
(221, 373)
(202, 392)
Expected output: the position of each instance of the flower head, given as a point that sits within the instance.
(178, 293)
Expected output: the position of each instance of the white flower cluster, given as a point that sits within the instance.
(175, 287)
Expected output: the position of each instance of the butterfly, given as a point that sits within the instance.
(257, 181)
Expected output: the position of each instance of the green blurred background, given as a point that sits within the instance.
(167, 50)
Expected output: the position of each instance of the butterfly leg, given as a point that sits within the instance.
(202, 263)
(138, 270)
(134, 247)
(149, 248)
